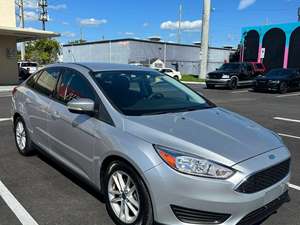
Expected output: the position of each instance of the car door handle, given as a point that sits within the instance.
(55, 115)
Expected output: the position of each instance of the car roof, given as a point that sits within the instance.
(95, 67)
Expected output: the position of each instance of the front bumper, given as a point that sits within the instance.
(223, 82)
(266, 87)
(170, 188)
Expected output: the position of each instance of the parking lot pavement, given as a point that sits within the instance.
(53, 196)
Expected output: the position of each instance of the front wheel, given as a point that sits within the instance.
(233, 83)
(127, 198)
(283, 88)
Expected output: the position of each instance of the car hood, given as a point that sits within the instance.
(224, 72)
(216, 134)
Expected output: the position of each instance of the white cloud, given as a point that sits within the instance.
(129, 33)
(30, 16)
(146, 24)
(68, 34)
(185, 25)
(30, 4)
(57, 7)
(33, 4)
(245, 4)
(92, 22)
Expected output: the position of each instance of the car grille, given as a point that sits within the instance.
(265, 211)
(198, 217)
(265, 178)
(215, 76)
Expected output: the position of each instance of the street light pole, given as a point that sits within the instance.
(205, 38)
(20, 4)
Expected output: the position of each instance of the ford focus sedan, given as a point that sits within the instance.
(157, 150)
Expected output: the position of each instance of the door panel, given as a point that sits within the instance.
(71, 138)
(71, 135)
(37, 103)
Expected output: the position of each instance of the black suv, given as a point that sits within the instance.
(232, 75)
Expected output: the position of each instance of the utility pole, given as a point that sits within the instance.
(205, 37)
(179, 24)
(43, 4)
(20, 4)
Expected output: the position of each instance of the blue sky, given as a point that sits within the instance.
(139, 18)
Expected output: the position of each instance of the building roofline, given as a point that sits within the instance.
(140, 40)
(25, 34)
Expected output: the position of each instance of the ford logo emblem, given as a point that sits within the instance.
(272, 156)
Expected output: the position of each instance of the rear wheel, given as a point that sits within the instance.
(283, 88)
(22, 138)
(127, 198)
(176, 77)
(233, 83)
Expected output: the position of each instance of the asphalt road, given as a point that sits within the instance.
(50, 195)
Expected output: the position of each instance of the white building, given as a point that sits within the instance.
(183, 57)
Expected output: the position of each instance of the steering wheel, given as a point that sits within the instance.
(156, 96)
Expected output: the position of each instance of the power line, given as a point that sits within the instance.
(43, 17)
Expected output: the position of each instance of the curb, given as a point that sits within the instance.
(192, 82)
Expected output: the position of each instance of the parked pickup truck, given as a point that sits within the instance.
(233, 75)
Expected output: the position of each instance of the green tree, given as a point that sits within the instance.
(43, 51)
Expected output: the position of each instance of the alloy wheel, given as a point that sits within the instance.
(123, 197)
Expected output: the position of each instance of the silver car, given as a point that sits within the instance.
(157, 150)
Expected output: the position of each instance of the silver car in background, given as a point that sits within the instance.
(157, 150)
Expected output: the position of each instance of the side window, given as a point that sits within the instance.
(74, 86)
(46, 82)
(32, 80)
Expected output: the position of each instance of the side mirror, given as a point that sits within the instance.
(81, 106)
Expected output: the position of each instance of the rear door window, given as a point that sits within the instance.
(32, 80)
(46, 82)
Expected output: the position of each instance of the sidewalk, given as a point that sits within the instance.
(6, 88)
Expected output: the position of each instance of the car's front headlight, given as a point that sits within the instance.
(274, 81)
(193, 165)
(224, 76)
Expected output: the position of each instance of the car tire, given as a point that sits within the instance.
(210, 86)
(176, 77)
(283, 88)
(133, 198)
(22, 138)
(233, 83)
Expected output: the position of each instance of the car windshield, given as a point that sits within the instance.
(29, 64)
(137, 93)
(279, 73)
(230, 67)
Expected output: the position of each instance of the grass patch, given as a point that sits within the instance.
(190, 77)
